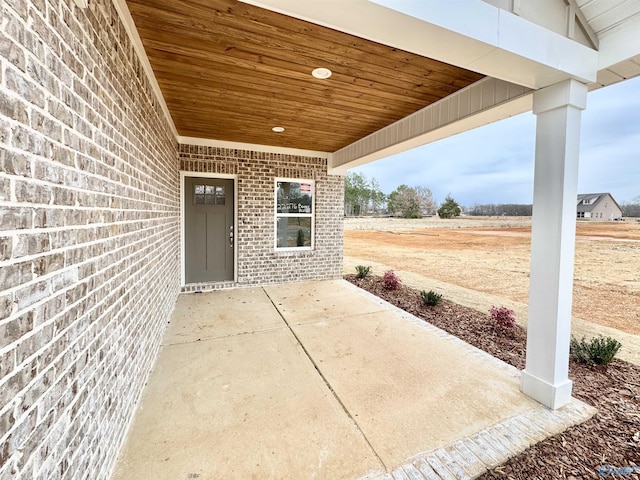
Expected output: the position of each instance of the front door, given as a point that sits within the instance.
(208, 230)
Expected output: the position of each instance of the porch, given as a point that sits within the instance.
(323, 380)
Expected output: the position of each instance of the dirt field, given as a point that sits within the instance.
(491, 255)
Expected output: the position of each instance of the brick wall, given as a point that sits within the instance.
(89, 237)
(258, 262)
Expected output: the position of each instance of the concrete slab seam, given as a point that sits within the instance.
(221, 337)
(325, 380)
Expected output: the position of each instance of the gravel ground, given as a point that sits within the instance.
(607, 444)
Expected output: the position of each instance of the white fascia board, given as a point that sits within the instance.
(373, 22)
(470, 34)
(619, 46)
(252, 147)
(557, 55)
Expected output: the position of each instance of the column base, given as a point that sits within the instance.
(553, 396)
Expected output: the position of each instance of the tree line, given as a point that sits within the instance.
(495, 210)
(362, 196)
(631, 208)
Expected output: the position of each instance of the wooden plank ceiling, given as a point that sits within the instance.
(231, 71)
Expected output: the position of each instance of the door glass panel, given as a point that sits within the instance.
(220, 195)
(209, 195)
(198, 194)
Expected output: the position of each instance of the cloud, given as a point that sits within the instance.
(494, 163)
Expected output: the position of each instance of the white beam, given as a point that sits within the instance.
(558, 110)
(484, 39)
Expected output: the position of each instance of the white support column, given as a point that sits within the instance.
(558, 109)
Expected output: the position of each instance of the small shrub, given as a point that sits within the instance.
(300, 239)
(362, 271)
(430, 298)
(390, 280)
(503, 317)
(599, 351)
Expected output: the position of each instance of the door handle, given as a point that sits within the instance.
(231, 236)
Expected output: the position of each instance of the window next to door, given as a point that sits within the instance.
(294, 214)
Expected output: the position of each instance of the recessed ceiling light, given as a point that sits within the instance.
(278, 129)
(321, 73)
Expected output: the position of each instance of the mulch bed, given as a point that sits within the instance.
(610, 438)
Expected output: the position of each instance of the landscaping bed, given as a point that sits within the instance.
(605, 444)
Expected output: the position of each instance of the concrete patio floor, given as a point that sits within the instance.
(321, 380)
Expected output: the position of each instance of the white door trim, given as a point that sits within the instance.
(222, 176)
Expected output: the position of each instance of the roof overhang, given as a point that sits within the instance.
(484, 39)
(516, 55)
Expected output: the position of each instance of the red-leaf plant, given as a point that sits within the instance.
(390, 280)
(503, 317)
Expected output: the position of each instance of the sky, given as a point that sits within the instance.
(494, 163)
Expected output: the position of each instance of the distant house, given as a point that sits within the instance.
(598, 206)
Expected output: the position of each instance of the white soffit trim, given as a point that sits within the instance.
(621, 45)
(481, 103)
(467, 33)
(253, 147)
(130, 27)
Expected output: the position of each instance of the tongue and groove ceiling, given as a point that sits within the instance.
(231, 71)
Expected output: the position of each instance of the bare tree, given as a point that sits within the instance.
(631, 208)
(411, 202)
(425, 198)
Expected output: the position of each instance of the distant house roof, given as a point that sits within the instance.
(588, 201)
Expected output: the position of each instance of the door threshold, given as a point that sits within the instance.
(207, 286)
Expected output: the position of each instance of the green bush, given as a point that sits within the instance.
(362, 271)
(599, 351)
(449, 208)
(430, 298)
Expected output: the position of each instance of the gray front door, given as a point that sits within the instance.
(208, 230)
